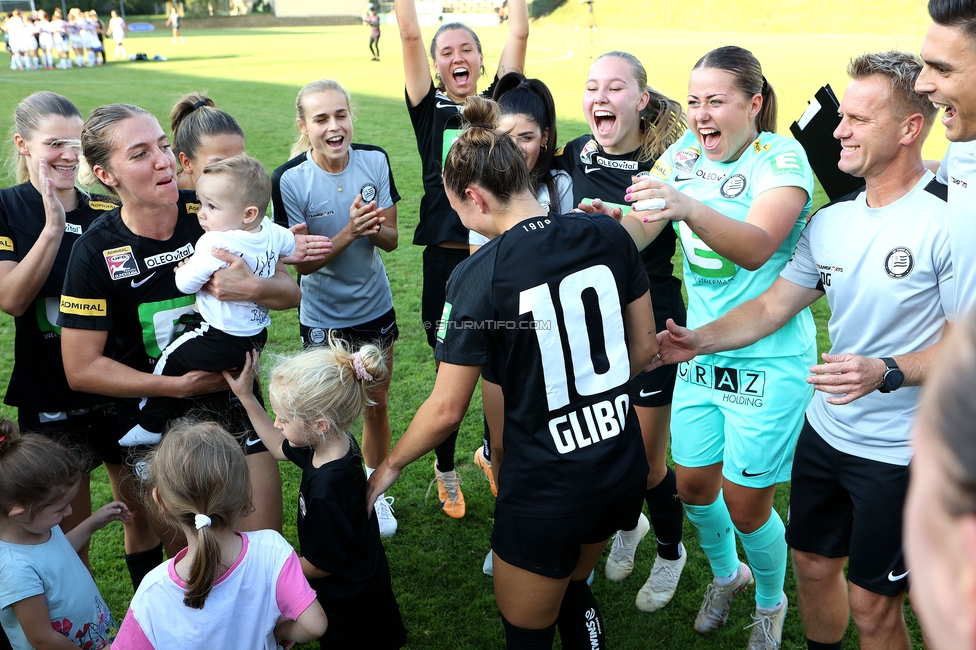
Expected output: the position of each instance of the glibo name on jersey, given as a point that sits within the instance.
(590, 424)
(169, 258)
(739, 385)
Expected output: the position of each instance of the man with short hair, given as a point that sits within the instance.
(881, 255)
(948, 78)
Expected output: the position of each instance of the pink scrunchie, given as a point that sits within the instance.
(361, 373)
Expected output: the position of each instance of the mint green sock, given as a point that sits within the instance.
(766, 550)
(716, 535)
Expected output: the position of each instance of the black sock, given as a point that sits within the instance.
(580, 624)
(142, 562)
(815, 645)
(519, 638)
(486, 447)
(667, 515)
(445, 452)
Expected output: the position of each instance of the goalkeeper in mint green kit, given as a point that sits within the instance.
(738, 196)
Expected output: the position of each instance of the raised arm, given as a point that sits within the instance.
(21, 281)
(416, 68)
(243, 387)
(90, 371)
(513, 56)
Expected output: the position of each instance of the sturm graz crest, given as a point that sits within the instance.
(899, 262)
(369, 192)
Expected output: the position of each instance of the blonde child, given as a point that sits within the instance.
(316, 396)
(48, 598)
(227, 589)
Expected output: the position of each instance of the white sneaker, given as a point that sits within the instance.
(661, 584)
(767, 628)
(488, 568)
(620, 562)
(384, 514)
(718, 600)
(139, 436)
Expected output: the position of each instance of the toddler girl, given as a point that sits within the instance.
(227, 589)
(47, 596)
(316, 397)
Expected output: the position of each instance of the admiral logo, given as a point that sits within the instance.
(369, 192)
(899, 263)
(101, 205)
(6, 244)
(192, 208)
(686, 159)
(590, 148)
(169, 258)
(958, 181)
(73, 228)
(661, 169)
(629, 165)
(759, 147)
(710, 176)
(734, 186)
(738, 385)
(121, 263)
(83, 306)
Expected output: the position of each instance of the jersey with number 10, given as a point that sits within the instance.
(715, 285)
(543, 305)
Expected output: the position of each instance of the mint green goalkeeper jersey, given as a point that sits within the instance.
(714, 284)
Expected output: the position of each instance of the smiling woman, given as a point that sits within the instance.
(346, 192)
(40, 221)
(435, 112)
(122, 269)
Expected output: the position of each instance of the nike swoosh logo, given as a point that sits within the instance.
(384, 330)
(826, 256)
(682, 179)
(590, 169)
(893, 578)
(136, 285)
(251, 443)
(749, 475)
(653, 392)
(448, 105)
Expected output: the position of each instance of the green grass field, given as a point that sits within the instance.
(255, 74)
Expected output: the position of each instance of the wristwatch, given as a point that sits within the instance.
(893, 377)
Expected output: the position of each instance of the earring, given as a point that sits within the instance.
(544, 147)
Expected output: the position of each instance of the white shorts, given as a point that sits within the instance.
(46, 41)
(75, 41)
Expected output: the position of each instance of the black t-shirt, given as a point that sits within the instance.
(124, 283)
(37, 382)
(333, 531)
(436, 123)
(600, 175)
(543, 305)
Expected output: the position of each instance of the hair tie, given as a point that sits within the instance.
(3, 437)
(765, 84)
(361, 373)
(202, 102)
(201, 521)
(480, 126)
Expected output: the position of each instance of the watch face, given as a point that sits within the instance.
(893, 379)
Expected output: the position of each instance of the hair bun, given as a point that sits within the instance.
(8, 433)
(479, 112)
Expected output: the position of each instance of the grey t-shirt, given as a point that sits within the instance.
(888, 276)
(353, 288)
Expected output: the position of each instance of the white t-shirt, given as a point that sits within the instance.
(265, 583)
(54, 570)
(958, 171)
(562, 205)
(261, 250)
(887, 273)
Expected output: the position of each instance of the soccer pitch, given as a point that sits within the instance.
(445, 600)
